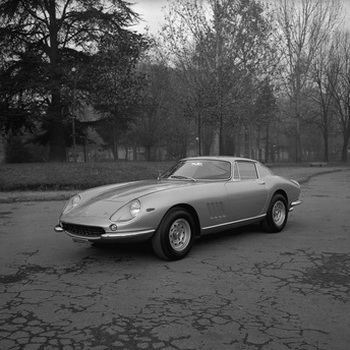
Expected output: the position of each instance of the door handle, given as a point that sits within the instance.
(262, 183)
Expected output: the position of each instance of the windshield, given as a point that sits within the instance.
(199, 170)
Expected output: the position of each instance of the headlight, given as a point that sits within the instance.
(127, 213)
(71, 204)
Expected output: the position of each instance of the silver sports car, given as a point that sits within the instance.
(197, 196)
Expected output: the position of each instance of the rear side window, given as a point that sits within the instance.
(247, 171)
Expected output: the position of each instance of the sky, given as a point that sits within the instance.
(152, 14)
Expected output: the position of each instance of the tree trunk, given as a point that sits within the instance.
(148, 153)
(298, 145)
(215, 145)
(56, 131)
(267, 144)
(57, 144)
(246, 142)
(344, 153)
(199, 136)
(326, 146)
(54, 114)
(258, 146)
(115, 141)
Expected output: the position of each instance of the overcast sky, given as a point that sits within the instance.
(152, 14)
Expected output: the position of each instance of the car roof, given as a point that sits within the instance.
(223, 158)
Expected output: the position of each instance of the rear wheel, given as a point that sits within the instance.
(175, 235)
(277, 215)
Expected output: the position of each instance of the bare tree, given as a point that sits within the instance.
(323, 97)
(182, 43)
(155, 106)
(339, 76)
(220, 46)
(304, 27)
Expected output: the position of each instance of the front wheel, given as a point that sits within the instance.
(277, 214)
(175, 235)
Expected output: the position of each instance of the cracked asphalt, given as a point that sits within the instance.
(242, 289)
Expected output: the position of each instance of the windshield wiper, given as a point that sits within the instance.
(181, 177)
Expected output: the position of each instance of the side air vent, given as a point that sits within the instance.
(216, 210)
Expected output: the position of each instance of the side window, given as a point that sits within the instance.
(247, 170)
(235, 172)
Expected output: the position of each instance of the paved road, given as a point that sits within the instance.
(239, 290)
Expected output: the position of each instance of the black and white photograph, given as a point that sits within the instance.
(174, 174)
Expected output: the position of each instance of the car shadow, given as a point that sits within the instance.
(123, 251)
(142, 251)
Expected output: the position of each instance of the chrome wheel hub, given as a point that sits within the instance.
(180, 234)
(279, 213)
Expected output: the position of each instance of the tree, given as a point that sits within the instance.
(117, 84)
(220, 47)
(304, 27)
(323, 96)
(156, 105)
(18, 81)
(44, 39)
(265, 111)
(339, 77)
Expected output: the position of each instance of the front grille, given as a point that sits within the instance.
(84, 231)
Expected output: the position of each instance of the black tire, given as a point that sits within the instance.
(175, 235)
(277, 214)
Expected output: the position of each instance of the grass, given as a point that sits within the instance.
(74, 176)
(81, 176)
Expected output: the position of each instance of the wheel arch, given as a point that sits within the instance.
(283, 193)
(190, 209)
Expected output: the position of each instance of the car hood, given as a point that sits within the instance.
(106, 200)
(128, 191)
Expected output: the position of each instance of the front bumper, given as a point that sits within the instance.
(120, 235)
(294, 204)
